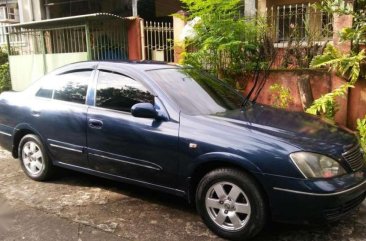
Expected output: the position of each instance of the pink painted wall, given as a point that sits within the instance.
(322, 82)
(357, 103)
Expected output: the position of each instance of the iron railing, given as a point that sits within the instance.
(109, 40)
(158, 41)
(48, 41)
(299, 22)
(105, 40)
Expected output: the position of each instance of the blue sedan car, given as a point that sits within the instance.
(181, 131)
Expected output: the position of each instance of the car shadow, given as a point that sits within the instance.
(273, 231)
(69, 177)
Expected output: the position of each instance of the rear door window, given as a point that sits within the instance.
(69, 87)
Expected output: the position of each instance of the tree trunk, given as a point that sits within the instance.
(306, 95)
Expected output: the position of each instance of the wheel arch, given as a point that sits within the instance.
(208, 163)
(20, 131)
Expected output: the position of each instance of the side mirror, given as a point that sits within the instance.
(144, 110)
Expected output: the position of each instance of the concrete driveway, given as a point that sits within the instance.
(78, 207)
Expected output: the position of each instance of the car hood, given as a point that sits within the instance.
(305, 131)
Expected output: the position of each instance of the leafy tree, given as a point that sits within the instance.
(226, 43)
(347, 65)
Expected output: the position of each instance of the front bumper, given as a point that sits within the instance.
(311, 202)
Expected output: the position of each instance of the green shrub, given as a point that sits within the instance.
(3, 57)
(226, 43)
(282, 95)
(350, 65)
(5, 83)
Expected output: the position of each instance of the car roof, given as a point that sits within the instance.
(143, 65)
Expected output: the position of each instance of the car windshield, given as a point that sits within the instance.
(196, 93)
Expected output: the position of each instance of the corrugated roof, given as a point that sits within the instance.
(80, 19)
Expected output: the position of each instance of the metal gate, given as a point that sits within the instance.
(158, 41)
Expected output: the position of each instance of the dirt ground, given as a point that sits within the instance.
(79, 207)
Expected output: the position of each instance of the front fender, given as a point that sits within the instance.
(223, 157)
(213, 160)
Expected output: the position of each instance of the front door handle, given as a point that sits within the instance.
(95, 124)
(36, 113)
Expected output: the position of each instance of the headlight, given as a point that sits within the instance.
(313, 165)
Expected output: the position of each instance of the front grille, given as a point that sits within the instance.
(333, 214)
(354, 157)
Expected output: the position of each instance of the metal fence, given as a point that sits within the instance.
(158, 41)
(48, 41)
(109, 40)
(300, 22)
(105, 40)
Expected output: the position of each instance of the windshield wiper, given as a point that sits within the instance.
(255, 80)
(264, 79)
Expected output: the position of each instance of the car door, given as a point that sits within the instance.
(58, 114)
(123, 145)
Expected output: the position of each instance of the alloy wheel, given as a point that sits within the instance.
(32, 158)
(228, 206)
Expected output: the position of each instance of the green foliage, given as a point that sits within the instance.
(361, 127)
(282, 95)
(3, 57)
(5, 83)
(340, 7)
(326, 105)
(226, 44)
(357, 33)
(208, 7)
(347, 65)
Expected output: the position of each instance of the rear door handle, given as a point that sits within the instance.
(95, 124)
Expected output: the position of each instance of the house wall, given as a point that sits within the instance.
(322, 82)
(30, 10)
(357, 103)
(167, 7)
(25, 69)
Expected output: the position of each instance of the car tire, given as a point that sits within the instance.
(231, 204)
(34, 159)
